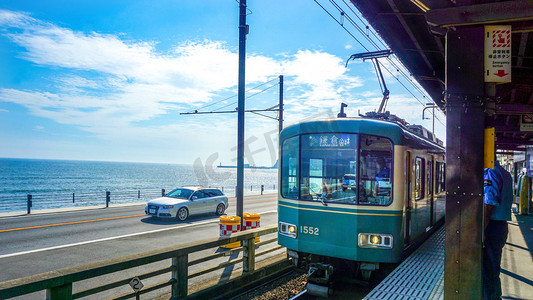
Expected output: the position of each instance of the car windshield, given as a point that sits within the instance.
(180, 193)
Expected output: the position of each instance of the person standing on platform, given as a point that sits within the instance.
(498, 189)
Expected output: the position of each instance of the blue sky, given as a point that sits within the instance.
(107, 80)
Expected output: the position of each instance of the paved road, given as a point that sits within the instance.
(45, 242)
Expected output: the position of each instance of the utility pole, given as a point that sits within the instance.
(241, 110)
(243, 30)
(280, 103)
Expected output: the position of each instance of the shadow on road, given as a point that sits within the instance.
(173, 221)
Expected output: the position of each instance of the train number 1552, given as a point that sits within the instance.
(309, 230)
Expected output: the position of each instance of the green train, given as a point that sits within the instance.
(356, 193)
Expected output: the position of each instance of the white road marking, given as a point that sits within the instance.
(114, 237)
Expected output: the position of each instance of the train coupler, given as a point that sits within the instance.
(320, 273)
(318, 283)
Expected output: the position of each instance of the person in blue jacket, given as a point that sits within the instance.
(498, 199)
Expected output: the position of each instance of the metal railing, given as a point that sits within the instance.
(61, 200)
(59, 284)
(11, 203)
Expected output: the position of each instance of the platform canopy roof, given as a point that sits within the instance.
(415, 31)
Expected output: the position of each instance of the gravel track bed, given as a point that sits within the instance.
(282, 288)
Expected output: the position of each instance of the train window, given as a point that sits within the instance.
(328, 168)
(375, 170)
(419, 178)
(430, 178)
(440, 177)
(289, 167)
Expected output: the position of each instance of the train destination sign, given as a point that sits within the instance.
(498, 53)
(330, 141)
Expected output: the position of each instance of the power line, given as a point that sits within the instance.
(233, 96)
(367, 25)
(399, 69)
(354, 24)
(343, 14)
(262, 91)
(362, 45)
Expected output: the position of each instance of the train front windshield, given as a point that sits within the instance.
(337, 168)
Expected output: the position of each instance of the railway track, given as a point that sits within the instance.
(302, 295)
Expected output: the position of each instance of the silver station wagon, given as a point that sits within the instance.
(183, 202)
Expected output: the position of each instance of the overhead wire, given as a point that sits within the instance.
(355, 25)
(392, 62)
(248, 97)
(251, 12)
(398, 68)
(367, 25)
(235, 95)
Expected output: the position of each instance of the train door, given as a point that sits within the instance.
(409, 198)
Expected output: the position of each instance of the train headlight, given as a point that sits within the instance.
(288, 229)
(375, 240)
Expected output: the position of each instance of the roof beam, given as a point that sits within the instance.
(522, 49)
(513, 109)
(508, 147)
(516, 142)
(409, 32)
(506, 128)
(496, 12)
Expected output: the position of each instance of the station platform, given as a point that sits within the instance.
(421, 275)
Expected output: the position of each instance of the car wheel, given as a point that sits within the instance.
(182, 214)
(220, 209)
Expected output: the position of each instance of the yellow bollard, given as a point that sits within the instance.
(229, 225)
(251, 221)
(524, 195)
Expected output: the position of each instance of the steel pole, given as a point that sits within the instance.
(243, 28)
(280, 103)
(433, 129)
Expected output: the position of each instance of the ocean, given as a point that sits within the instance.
(64, 183)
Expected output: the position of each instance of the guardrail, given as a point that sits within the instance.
(59, 283)
(27, 202)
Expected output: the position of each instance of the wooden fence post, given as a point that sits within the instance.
(248, 255)
(179, 275)
(62, 292)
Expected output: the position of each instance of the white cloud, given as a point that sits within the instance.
(108, 85)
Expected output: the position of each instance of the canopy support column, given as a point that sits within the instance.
(464, 159)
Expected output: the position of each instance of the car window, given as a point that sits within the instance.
(213, 193)
(217, 193)
(199, 194)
